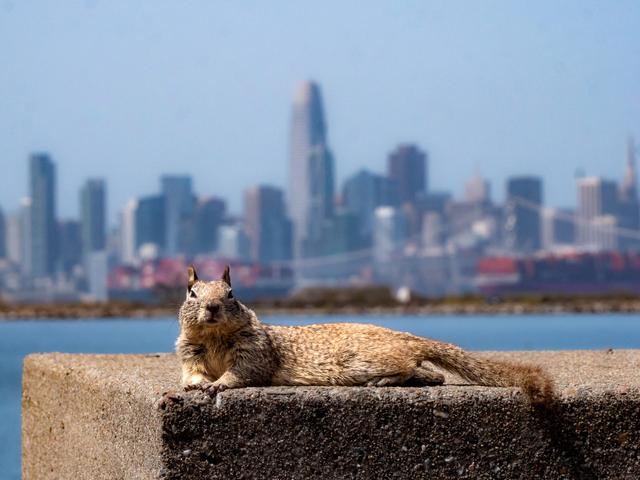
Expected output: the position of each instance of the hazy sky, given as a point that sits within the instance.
(129, 90)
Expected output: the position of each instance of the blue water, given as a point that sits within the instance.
(528, 332)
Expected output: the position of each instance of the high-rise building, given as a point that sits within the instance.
(150, 226)
(522, 213)
(128, 249)
(266, 223)
(3, 235)
(179, 204)
(321, 200)
(407, 167)
(342, 235)
(362, 194)
(311, 182)
(13, 224)
(433, 233)
(209, 215)
(389, 233)
(25, 237)
(629, 186)
(97, 274)
(629, 203)
(477, 190)
(233, 243)
(597, 198)
(43, 215)
(93, 216)
(70, 249)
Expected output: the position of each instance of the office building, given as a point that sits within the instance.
(42, 183)
(629, 204)
(128, 249)
(522, 214)
(3, 235)
(179, 205)
(209, 215)
(93, 216)
(597, 198)
(233, 243)
(97, 274)
(266, 223)
(362, 193)
(407, 167)
(70, 250)
(389, 233)
(13, 236)
(477, 190)
(150, 225)
(321, 199)
(25, 225)
(311, 169)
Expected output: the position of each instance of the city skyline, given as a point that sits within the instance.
(474, 180)
(375, 227)
(475, 86)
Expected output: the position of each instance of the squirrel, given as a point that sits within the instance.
(222, 344)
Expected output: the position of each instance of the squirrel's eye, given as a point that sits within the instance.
(192, 294)
(230, 294)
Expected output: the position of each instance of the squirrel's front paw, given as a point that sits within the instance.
(210, 388)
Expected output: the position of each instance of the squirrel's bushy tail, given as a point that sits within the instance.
(533, 381)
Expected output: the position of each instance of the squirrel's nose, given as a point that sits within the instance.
(213, 308)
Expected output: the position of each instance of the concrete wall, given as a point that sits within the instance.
(105, 416)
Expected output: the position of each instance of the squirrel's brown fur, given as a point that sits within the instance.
(222, 344)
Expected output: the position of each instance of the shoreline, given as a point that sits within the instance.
(112, 311)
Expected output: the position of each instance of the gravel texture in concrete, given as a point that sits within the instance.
(105, 416)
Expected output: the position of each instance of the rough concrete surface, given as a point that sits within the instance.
(99, 416)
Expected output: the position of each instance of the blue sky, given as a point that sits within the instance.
(131, 90)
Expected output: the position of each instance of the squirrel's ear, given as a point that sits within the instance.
(193, 277)
(226, 278)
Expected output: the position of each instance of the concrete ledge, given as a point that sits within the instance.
(99, 416)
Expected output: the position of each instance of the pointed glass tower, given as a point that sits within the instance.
(311, 182)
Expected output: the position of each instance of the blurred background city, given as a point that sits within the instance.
(496, 157)
(387, 228)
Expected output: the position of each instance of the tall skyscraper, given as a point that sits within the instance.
(14, 243)
(3, 235)
(389, 233)
(407, 166)
(266, 223)
(233, 243)
(150, 226)
(522, 216)
(128, 248)
(179, 208)
(629, 187)
(93, 216)
(597, 210)
(209, 215)
(70, 249)
(321, 190)
(362, 194)
(26, 238)
(43, 215)
(311, 182)
(629, 203)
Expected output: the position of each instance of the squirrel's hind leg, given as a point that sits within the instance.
(388, 381)
(424, 376)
